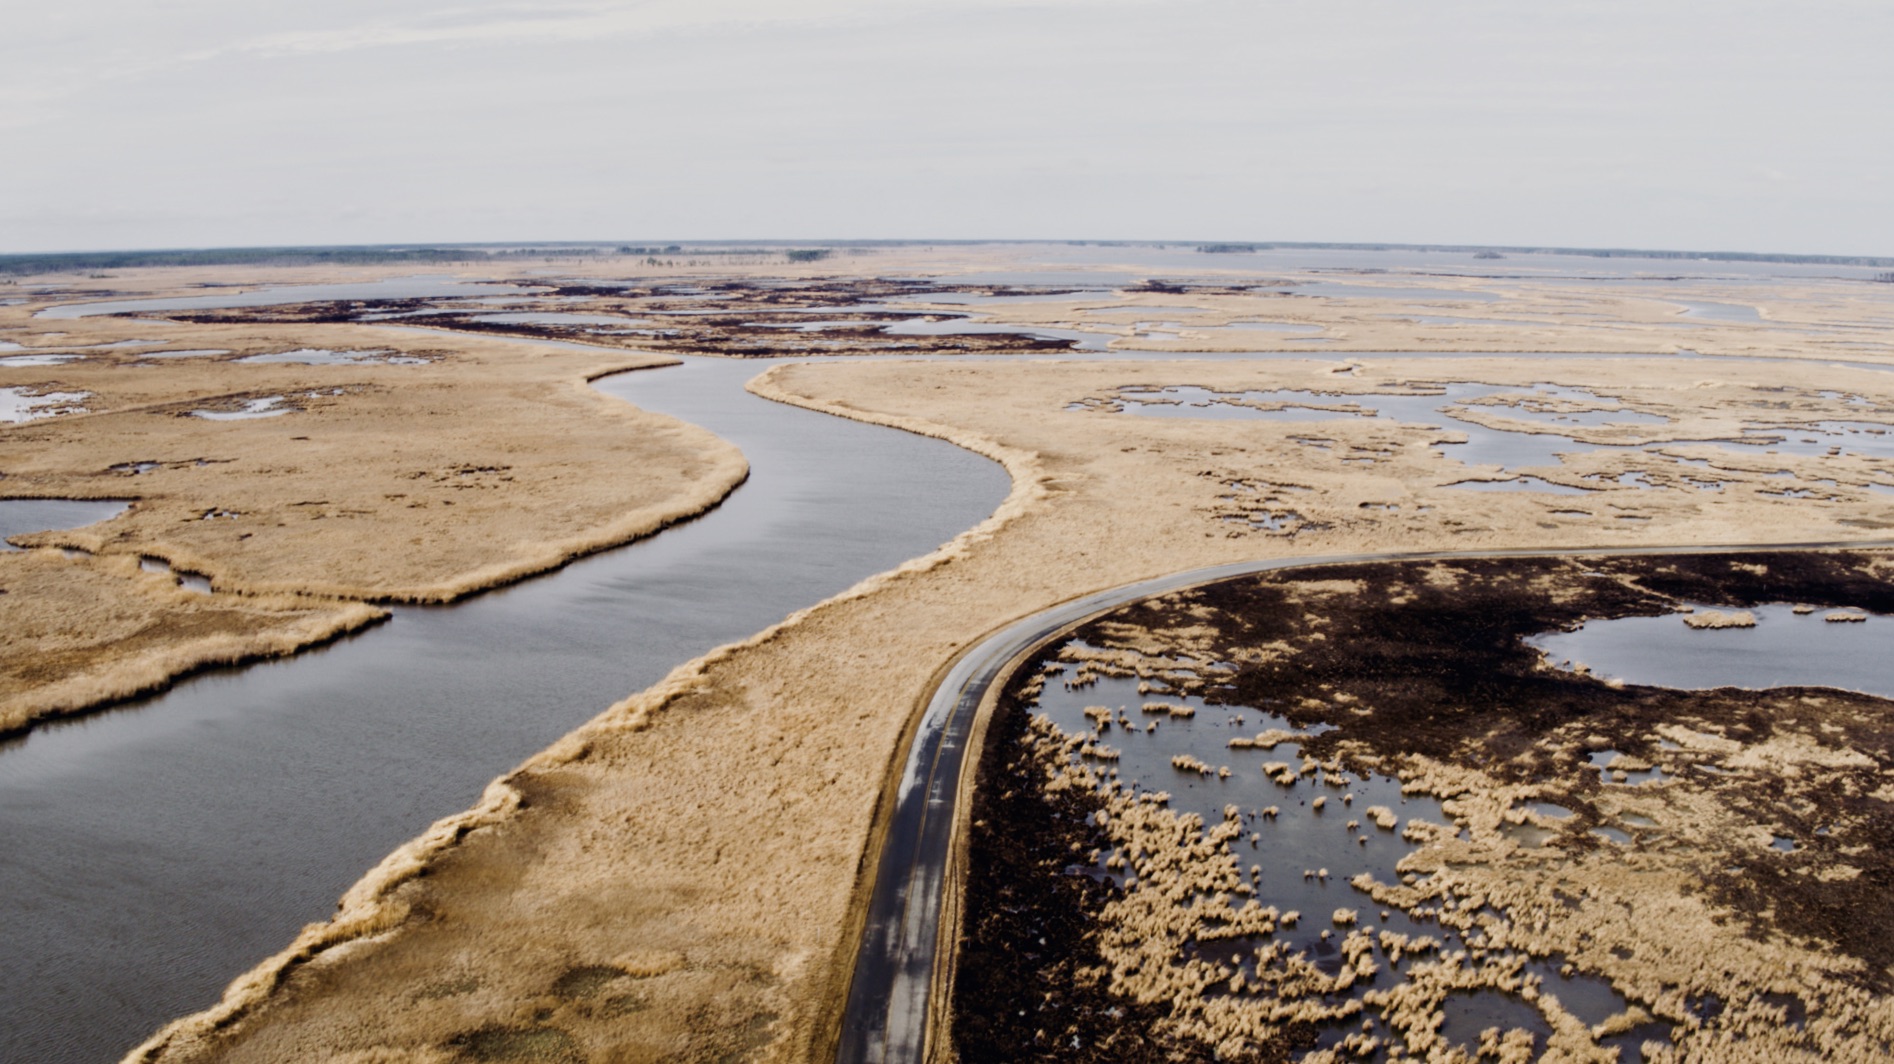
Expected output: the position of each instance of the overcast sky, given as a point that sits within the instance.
(1691, 124)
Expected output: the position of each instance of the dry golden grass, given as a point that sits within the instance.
(425, 482)
(390, 482)
(80, 632)
(1714, 619)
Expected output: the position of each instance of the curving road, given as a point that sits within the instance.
(906, 954)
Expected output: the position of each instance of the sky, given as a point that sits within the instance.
(1681, 124)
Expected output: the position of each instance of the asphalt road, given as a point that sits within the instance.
(902, 953)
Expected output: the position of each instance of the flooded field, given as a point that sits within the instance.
(1549, 427)
(245, 409)
(1278, 818)
(1303, 834)
(322, 356)
(31, 404)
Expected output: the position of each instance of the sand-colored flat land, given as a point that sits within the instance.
(1116, 298)
(422, 467)
(678, 879)
(1826, 319)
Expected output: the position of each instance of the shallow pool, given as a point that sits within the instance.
(1784, 649)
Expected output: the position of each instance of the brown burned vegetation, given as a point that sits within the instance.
(730, 318)
(1718, 942)
(1022, 992)
(1447, 675)
(1159, 286)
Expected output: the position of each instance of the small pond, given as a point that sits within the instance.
(19, 517)
(268, 406)
(322, 356)
(19, 405)
(1783, 649)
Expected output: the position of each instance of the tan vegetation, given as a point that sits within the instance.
(1719, 619)
(79, 632)
(460, 465)
(721, 819)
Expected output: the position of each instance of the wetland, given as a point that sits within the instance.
(1375, 822)
(587, 899)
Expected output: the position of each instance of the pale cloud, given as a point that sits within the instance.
(84, 45)
(1740, 123)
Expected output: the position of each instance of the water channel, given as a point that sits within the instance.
(21, 516)
(151, 853)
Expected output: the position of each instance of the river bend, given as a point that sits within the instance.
(152, 852)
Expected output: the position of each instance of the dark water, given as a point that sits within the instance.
(1299, 840)
(1785, 649)
(151, 853)
(19, 517)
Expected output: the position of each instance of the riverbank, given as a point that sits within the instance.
(87, 632)
(304, 472)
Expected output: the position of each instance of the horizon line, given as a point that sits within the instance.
(676, 246)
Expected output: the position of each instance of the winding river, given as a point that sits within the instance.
(151, 853)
